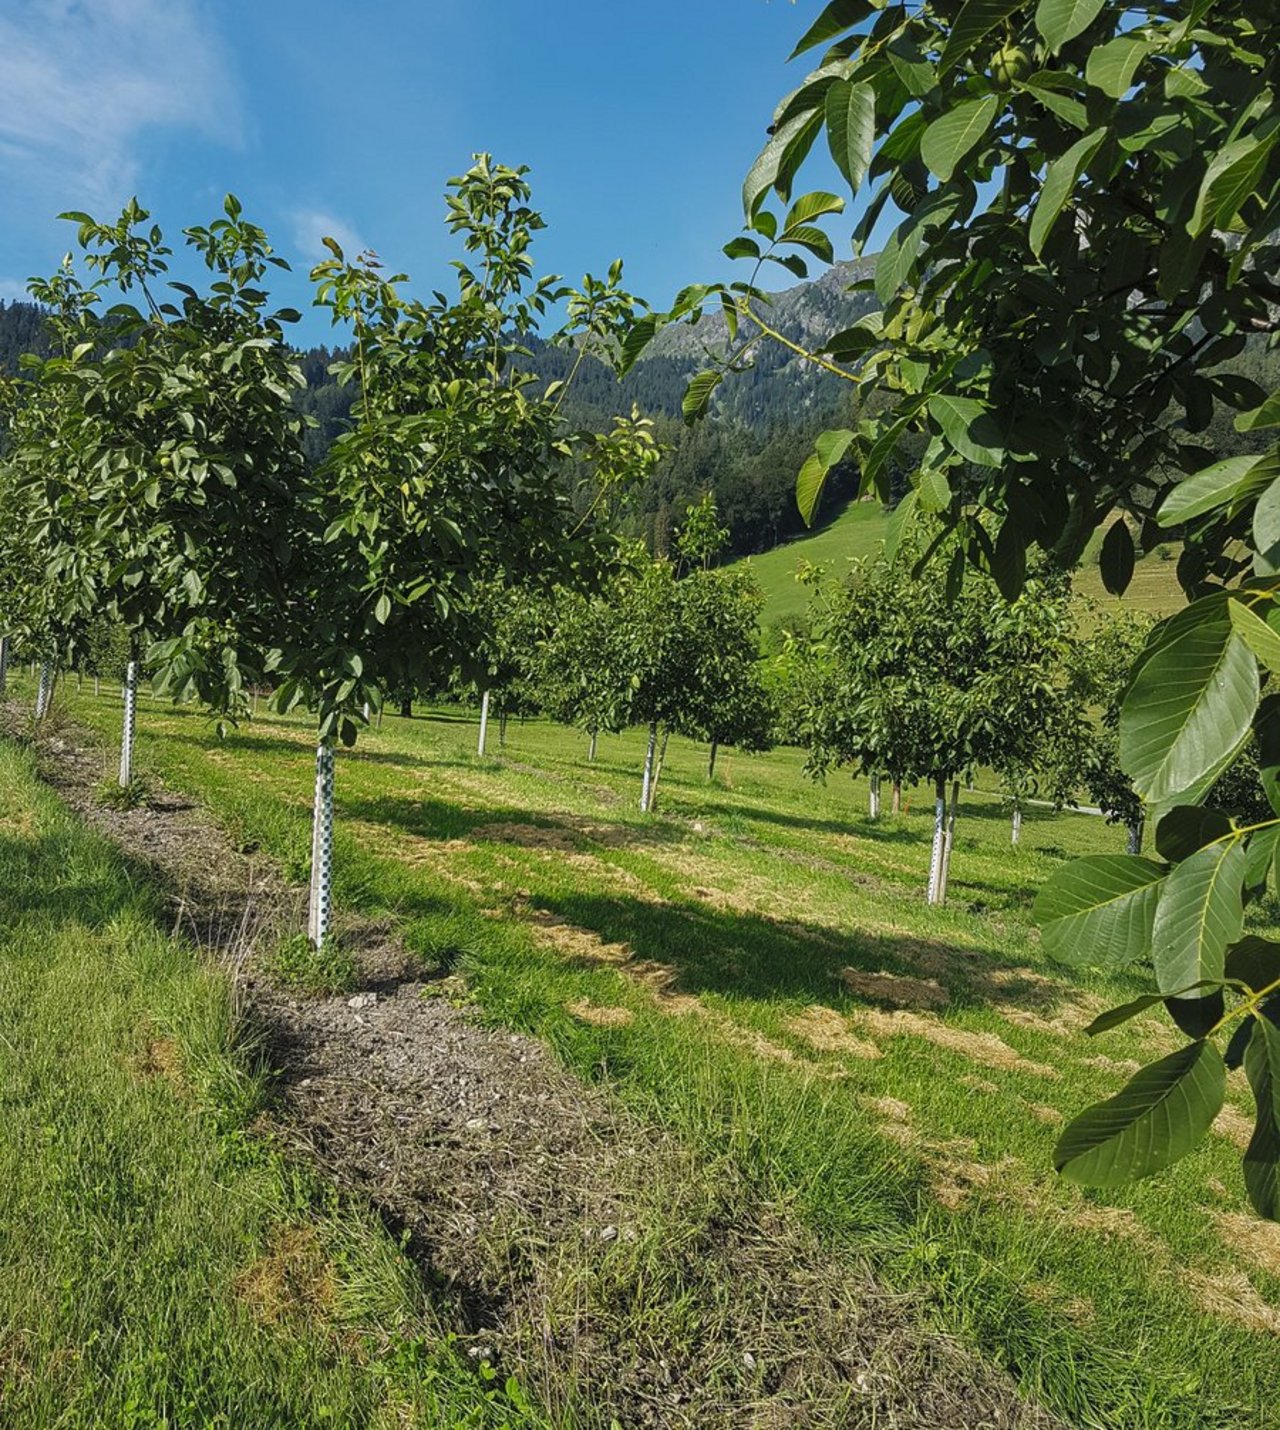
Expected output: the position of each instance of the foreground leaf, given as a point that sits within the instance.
(1262, 1156)
(1099, 910)
(1201, 913)
(1157, 1118)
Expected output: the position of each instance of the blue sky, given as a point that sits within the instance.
(637, 120)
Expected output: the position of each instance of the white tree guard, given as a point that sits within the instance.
(1016, 834)
(939, 842)
(44, 690)
(874, 803)
(129, 692)
(949, 841)
(484, 723)
(591, 750)
(321, 849)
(647, 783)
(1135, 836)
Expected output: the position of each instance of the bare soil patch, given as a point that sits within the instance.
(579, 1246)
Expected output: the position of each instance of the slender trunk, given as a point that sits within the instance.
(321, 849)
(875, 797)
(4, 665)
(648, 767)
(484, 722)
(934, 895)
(896, 806)
(1017, 823)
(254, 708)
(79, 681)
(1135, 836)
(379, 720)
(711, 761)
(502, 731)
(44, 691)
(129, 692)
(657, 771)
(591, 749)
(406, 708)
(949, 842)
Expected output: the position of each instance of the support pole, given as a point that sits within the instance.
(484, 722)
(502, 731)
(648, 767)
(591, 749)
(711, 761)
(934, 895)
(657, 771)
(44, 690)
(4, 665)
(321, 849)
(130, 693)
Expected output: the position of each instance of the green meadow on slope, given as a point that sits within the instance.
(755, 969)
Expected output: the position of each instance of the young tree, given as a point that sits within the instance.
(1090, 196)
(928, 685)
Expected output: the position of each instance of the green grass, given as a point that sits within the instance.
(858, 529)
(159, 1266)
(721, 927)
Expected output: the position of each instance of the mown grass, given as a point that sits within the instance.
(722, 929)
(858, 529)
(159, 1265)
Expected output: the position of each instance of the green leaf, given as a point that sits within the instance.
(639, 336)
(1232, 175)
(1208, 489)
(1061, 20)
(829, 449)
(1257, 634)
(851, 128)
(1059, 185)
(1113, 1017)
(1067, 109)
(1111, 67)
(810, 206)
(698, 393)
(898, 523)
(977, 18)
(950, 137)
(1099, 910)
(963, 420)
(1189, 707)
(1115, 560)
(1187, 828)
(1266, 523)
(1158, 1117)
(383, 609)
(1201, 912)
(1262, 1156)
(837, 17)
(1268, 415)
(1261, 855)
(1254, 961)
(742, 247)
(864, 335)
(933, 491)
(777, 162)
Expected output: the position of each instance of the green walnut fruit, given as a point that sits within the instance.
(1009, 65)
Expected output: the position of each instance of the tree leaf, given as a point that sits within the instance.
(1208, 489)
(1115, 560)
(1111, 67)
(1158, 1117)
(698, 393)
(837, 17)
(829, 449)
(1187, 828)
(1262, 1156)
(1059, 184)
(810, 206)
(1231, 177)
(1254, 961)
(1099, 910)
(383, 609)
(851, 128)
(1267, 415)
(1257, 634)
(742, 247)
(1062, 20)
(1189, 707)
(777, 161)
(962, 419)
(977, 18)
(1201, 912)
(1113, 1017)
(950, 137)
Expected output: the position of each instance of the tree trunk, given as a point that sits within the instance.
(321, 896)
(934, 895)
(591, 749)
(1135, 836)
(711, 761)
(97, 685)
(657, 771)
(4, 665)
(502, 731)
(381, 708)
(254, 707)
(79, 681)
(896, 806)
(406, 708)
(874, 800)
(1016, 835)
(44, 691)
(648, 767)
(949, 842)
(484, 723)
(129, 694)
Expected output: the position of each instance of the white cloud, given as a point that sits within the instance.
(310, 226)
(82, 80)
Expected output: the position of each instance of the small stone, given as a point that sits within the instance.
(362, 1000)
(609, 1233)
(748, 1360)
(477, 1124)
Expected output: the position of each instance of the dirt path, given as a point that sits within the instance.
(589, 1255)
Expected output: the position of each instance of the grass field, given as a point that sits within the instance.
(164, 1265)
(858, 529)
(755, 968)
